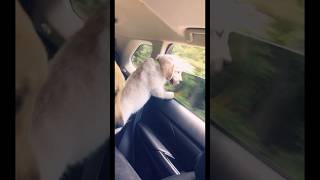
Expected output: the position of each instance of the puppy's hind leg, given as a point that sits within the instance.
(162, 94)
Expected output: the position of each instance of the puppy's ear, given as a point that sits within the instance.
(166, 68)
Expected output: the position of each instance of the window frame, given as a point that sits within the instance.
(136, 49)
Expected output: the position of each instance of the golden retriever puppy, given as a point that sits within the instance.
(31, 71)
(148, 80)
(72, 112)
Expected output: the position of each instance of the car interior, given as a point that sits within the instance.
(257, 99)
(165, 140)
(230, 151)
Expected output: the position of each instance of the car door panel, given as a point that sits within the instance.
(172, 137)
(231, 161)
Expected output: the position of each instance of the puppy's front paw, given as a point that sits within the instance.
(170, 95)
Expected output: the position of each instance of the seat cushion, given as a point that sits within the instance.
(123, 169)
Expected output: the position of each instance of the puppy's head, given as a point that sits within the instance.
(169, 69)
(31, 71)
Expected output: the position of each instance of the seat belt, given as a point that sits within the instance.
(126, 145)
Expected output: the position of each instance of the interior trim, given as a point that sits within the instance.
(228, 160)
(188, 122)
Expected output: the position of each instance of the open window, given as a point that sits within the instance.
(258, 99)
(143, 52)
(191, 91)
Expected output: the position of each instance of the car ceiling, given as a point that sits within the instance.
(158, 20)
(163, 20)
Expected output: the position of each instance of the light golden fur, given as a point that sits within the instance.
(148, 80)
(62, 115)
(31, 71)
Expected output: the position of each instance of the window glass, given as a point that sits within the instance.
(191, 90)
(259, 100)
(141, 54)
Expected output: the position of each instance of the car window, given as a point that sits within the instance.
(141, 54)
(280, 22)
(86, 8)
(191, 90)
(259, 100)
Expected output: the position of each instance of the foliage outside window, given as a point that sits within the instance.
(281, 22)
(191, 91)
(141, 54)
